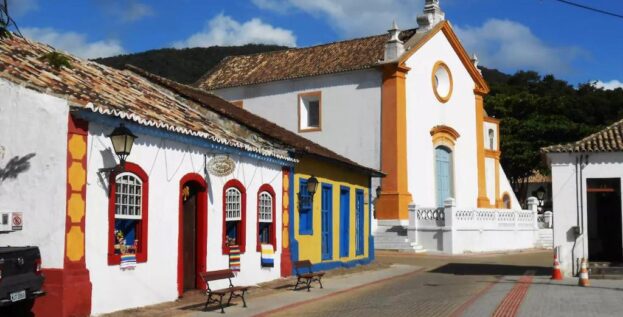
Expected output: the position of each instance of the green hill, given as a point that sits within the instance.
(183, 65)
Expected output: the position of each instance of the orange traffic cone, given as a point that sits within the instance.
(584, 274)
(556, 273)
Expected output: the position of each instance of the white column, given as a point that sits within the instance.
(412, 228)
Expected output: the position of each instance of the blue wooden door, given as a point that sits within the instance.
(344, 221)
(359, 222)
(443, 177)
(327, 221)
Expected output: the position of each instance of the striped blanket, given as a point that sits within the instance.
(268, 255)
(128, 261)
(234, 258)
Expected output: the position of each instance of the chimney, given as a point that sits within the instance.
(394, 46)
(432, 15)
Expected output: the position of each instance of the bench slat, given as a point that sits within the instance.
(217, 275)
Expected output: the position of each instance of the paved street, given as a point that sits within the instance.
(400, 284)
(448, 287)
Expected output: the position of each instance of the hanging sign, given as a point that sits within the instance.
(221, 165)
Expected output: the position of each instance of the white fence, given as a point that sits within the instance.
(454, 231)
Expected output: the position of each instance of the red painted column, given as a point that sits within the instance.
(286, 260)
(69, 289)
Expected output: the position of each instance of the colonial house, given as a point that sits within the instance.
(409, 103)
(132, 185)
(586, 187)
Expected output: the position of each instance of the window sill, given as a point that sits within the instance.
(310, 129)
(306, 233)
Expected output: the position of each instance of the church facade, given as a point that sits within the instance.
(409, 103)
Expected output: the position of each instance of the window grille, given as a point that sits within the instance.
(265, 207)
(128, 196)
(233, 207)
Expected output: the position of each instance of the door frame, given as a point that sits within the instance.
(345, 239)
(202, 232)
(329, 216)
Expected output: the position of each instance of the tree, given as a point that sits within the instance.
(540, 111)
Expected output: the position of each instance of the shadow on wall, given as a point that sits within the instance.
(491, 269)
(15, 166)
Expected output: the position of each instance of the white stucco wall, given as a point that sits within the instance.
(350, 115)
(424, 112)
(34, 123)
(565, 201)
(166, 162)
(490, 166)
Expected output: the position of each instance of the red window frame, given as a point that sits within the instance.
(273, 239)
(243, 215)
(141, 254)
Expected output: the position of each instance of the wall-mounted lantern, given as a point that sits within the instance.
(312, 185)
(122, 140)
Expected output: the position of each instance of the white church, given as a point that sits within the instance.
(409, 103)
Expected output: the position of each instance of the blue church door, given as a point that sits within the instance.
(327, 223)
(443, 174)
(344, 221)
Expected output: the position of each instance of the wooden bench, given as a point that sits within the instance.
(305, 275)
(216, 296)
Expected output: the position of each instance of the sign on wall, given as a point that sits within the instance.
(17, 221)
(221, 165)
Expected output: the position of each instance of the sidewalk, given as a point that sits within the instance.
(264, 305)
(545, 297)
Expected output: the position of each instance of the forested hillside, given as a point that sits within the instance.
(535, 110)
(184, 65)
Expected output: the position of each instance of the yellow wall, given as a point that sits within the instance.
(337, 176)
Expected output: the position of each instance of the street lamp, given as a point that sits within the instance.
(122, 140)
(312, 184)
(540, 195)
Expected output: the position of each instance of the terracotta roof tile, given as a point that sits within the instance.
(259, 124)
(609, 139)
(349, 55)
(124, 94)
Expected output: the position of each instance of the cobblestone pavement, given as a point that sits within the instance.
(450, 287)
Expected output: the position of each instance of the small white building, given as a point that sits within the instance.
(200, 182)
(586, 188)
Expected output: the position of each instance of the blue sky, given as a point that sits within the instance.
(543, 35)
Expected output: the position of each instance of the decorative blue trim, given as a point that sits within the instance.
(186, 139)
(330, 265)
(371, 254)
(294, 244)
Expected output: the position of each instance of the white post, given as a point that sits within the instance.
(450, 221)
(548, 218)
(533, 205)
(411, 229)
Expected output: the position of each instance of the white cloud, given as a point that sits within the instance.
(223, 30)
(510, 45)
(74, 43)
(136, 11)
(21, 7)
(353, 17)
(608, 85)
(126, 10)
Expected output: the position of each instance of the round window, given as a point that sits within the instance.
(442, 82)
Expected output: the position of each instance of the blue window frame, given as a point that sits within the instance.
(306, 213)
(326, 212)
(359, 222)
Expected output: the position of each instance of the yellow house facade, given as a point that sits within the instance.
(331, 228)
